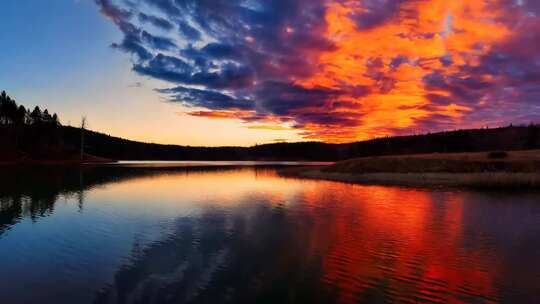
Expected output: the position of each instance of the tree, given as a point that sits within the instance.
(55, 120)
(3, 100)
(8, 109)
(36, 115)
(46, 117)
(20, 117)
(2, 111)
(11, 113)
(83, 127)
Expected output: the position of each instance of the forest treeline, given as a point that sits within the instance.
(30, 134)
(478, 140)
(38, 135)
(11, 113)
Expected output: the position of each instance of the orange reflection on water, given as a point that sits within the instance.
(400, 241)
(404, 245)
(218, 187)
(260, 237)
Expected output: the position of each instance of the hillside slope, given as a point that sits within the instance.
(508, 138)
(42, 141)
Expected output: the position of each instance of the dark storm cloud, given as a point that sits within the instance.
(212, 100)
(282, 98)
(167, 6)
(115, 13)
(327, 119)
(156, 21)
(398, 60)
(188, 31)
(133, 45)
(261, 57)
(156, 42)
(376, 12)
(254, 49)
(230, 76)
(505, 85)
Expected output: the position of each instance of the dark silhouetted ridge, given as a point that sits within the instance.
(38, 135)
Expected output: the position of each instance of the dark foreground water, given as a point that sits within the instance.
(138, 234)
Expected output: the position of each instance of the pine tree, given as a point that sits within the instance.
(36, 115)
(55, 120)
(46, 117)
(20, 117)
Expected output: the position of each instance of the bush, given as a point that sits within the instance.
(498, 154)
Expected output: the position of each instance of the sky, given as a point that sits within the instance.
(245, 72)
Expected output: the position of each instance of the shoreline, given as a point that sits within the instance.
(62, 162)
(516, 170)
(51, 163)
(480, 180)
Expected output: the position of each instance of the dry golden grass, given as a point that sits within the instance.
(518, 161)
(520, 170)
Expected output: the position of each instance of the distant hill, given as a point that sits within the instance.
(43, 142)
(39, 136)
(507, 138)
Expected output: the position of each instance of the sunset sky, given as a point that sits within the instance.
(241, 72)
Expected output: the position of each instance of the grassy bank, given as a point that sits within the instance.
(516, 170)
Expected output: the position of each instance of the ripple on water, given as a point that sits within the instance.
(209, 235)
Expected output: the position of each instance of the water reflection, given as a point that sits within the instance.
(246, 235)
(33, 191)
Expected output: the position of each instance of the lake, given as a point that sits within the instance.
(240, 233)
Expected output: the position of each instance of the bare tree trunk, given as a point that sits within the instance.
(83, 126)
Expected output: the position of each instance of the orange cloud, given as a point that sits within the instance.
(345, 70)
(231, 114)
(423, 34)
(270, 127)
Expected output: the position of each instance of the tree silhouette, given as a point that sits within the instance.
(11, 113)
(8, 109)
(55, 120)
(46, 117)
(20, 117)
(36, 115)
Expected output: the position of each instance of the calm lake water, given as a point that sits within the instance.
(160, 233)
